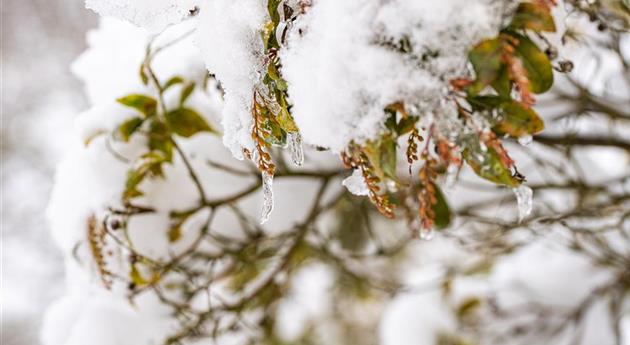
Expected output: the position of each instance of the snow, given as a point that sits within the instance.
(341, 76)
(229, 39)
(356, 183)
(398, 328)
(90, 178)
(153, 15)
(79, 320)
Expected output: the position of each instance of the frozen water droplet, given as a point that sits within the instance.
(355, 183)
(525, 139)
(267, 188)
(297, 151)
(524, 199)
(427, 234)
(392, 186)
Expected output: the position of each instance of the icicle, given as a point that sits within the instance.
(267, 188)
(525, 139)
(297, 152)
(427, 234)
(524, 196)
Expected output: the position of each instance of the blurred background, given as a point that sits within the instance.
(40, 38)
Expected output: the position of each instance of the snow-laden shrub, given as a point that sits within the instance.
(406, 93)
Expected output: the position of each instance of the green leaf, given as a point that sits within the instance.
(487, 164)
(275, 134)
(388, 157)
(173, 81)
(144, 104)
(441, 209)
(273, 71)
(286, 121)
(533, 16)
(268, 35)
(160, 139)
(487, 63)
(136, 277)
(150, 165)
(282, 85)
(175, 233)
(502, 84)
(186, 122)
(485, 102)
(246, 274)
(406, 124)
(176, 223)
(518, 120)
(129, 127)
(186, 92)
(302, 253)
(535, 62)
(272, 7)
(468, 307)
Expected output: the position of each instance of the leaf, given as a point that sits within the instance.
(533, 16)
(173, 81)
(388, 157)
(272, 7)
(535, 62)
(390, 121)
(268, 35)
(136, 277)
(129, 127)
(300, 255)
(487, 63)
(502, 84)
(186, 92)
(282, 85)
(485, 102)
(488, 165)
(518, 120)
(177, 221)
(286, 121)
(442, 211)
(275, 135)
(247, 273)
(406, 125)
(150, 164)
(273, 71)
(186, 122)
(468, 306)
(144, 104)
(175, 233)
(160, 139)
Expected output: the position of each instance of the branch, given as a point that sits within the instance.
(574, 140)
